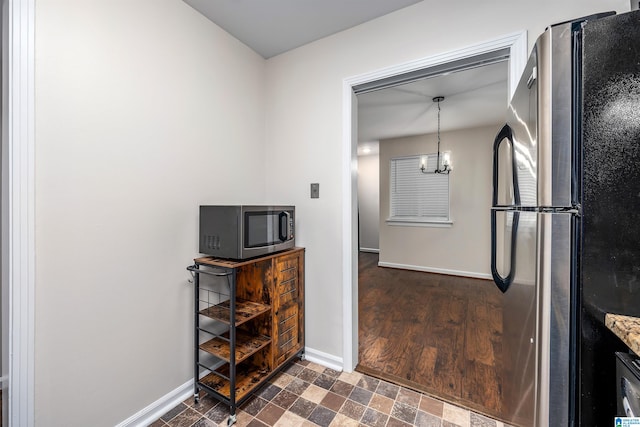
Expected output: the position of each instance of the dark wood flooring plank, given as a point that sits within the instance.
(435, 333)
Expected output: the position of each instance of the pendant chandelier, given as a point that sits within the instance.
(445, 166)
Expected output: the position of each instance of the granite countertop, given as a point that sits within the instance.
(627, 328)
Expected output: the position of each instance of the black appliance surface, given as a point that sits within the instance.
(628, 383)
(610, 251)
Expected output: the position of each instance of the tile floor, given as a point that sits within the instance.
(307, 394)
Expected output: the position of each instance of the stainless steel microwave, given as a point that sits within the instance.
(241, 232)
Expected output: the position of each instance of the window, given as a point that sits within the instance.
(418, 197)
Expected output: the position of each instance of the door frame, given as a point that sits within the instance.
(18, 211)
(518, 53)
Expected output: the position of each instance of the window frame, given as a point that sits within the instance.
(430, 159)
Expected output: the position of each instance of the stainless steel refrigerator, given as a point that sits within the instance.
(565, 220)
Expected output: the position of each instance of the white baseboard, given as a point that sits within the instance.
(472, 274)
(160, 407)
(170, 400)
(371, 250)
(324, 359)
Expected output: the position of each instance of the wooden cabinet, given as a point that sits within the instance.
(252, 331)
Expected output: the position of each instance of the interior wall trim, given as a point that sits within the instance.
(370, 250)
(518, 53)
(324, 359)
(436, 270)
(18, 209)
(155, 410)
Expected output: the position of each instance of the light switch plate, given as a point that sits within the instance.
(315, 191)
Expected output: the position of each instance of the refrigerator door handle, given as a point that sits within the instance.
(501, 282)
(506, 133)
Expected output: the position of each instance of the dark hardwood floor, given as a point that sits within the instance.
(435, 333)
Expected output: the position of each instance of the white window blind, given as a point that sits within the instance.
(417, 196)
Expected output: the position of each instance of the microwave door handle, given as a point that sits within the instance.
(283, 232)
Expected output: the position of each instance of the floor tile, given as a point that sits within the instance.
(476, 420)
(432, 406)
(368, 383)
(361, 395)
(269, 392)
(242, 419)
(456, 415)
(333, 401)
(325, 381)
(204, 422)
(285, 399)
(381, 404)
(404, 412)
(314, 393)
(297, 386)
(204, 404)
(322, 416)
(282, 380)
(173, 412)
(218, 413)
(387, 389)
(353, 409)
(394, 422)
(409, 397)
(254, 406)
(424, 419)
(332, 373)
(289, 419)
(341, 420)
(373, 418)
(294, 369)
(270, 414)
(342, 388)
(185, 419)
(303, 407)
(315, 367)
(350, 377)
(308, 375)
(306, 401)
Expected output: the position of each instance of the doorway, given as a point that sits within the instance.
(514, 45)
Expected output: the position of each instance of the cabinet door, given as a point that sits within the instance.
(288, 303)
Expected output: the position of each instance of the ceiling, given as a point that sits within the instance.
(473, 97)
(271, 27)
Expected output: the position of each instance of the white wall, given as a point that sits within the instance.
(304, 117)
(463, 248)
(144, 110)
(369, 200)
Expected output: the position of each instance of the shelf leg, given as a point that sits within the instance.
(231, 420)
(196, 337)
